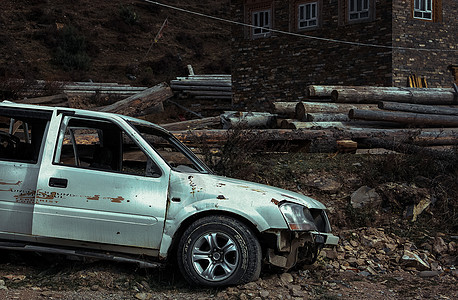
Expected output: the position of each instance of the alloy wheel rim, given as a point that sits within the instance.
(215, 256)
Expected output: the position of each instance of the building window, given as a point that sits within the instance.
(307, 15)
(428, 10)
(262, 20)
(423, 9)
(358, 9)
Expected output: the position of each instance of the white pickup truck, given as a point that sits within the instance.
(114, 187)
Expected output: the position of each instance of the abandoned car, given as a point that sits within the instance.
(87, 183)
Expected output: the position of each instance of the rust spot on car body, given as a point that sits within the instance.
(25, 197)
(45, 195)
(117, 199)
(6, 183)
(96, 197)
(275, 201)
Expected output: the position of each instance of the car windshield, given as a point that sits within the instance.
(177, 155)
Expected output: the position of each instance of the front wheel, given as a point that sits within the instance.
(219, 251)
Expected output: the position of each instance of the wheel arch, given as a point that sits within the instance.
(171, 253)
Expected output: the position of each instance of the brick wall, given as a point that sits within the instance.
(279, 67)
(409, 32)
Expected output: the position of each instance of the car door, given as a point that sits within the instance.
(21, 136)
(111, 201)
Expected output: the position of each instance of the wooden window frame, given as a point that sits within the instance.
(361, 13)
(251, 8)
(345, 13)
(297, 11)
(435, 10)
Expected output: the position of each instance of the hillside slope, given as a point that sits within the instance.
(108, 41)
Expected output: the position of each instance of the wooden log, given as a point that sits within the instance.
(218, 136)
(375, 151)
(405, 118)
(201, 83)
(206, 77)
(320, 91)
(294, 124)
(417, 108)
(284, 109)
(439, 138)
(54, 99)
(404, 95)
(208, 93)
(401, 146)
(325, 91)
(221, 97)
(347, 146)
(193, 124)
(233, 119)
(200, 88)
(139, 103)
(321, 107)
(326, 117)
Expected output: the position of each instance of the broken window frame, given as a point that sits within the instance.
(262, 19)
(66, 128)
(34, 124)
(144, 128)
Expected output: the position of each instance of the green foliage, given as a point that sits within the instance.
(128, 15)
(70, 52)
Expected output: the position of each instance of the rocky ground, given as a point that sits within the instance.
(396, 242)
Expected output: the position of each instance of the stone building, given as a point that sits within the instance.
(386, 40)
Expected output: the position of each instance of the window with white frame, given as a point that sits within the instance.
(262, 20)
(358, 9)
(308, 15)
(423, 9)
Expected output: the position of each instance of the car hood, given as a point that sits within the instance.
(206, 186)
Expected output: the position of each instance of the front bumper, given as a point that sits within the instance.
(298, 247)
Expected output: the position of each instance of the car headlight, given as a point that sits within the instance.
(297, 217)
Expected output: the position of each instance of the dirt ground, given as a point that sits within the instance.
(25, 278)
(370, 261)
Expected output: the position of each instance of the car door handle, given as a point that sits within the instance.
(58, 182)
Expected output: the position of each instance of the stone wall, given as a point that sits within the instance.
(409, 32)
(279, 67)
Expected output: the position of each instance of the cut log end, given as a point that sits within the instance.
(300, 111)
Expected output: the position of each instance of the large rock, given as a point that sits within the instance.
(363, 196)
(439, 247)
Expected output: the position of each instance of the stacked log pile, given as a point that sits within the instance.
(372, 112)
(203, 87)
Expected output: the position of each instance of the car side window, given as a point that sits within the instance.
(20, 138)
(102, 146)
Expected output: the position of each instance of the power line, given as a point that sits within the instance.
(296, 34)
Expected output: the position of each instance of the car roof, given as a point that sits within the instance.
(79, 112)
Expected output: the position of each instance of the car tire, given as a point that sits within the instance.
(219, 251)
